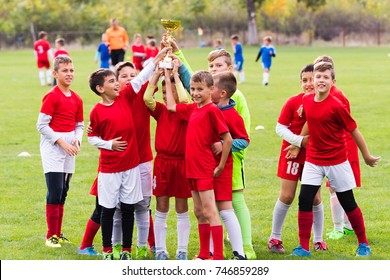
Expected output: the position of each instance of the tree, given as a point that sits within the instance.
(252, 28)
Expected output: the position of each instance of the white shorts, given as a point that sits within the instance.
(146, 171)
(340, 176)
(54, 158)
(119, 187)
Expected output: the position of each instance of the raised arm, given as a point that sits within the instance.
(148, 96)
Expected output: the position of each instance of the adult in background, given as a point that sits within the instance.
(117, 40)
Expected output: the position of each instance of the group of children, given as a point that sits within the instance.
(200, 150)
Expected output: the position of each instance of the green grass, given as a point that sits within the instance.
(362, 73)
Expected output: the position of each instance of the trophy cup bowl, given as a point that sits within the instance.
(169, 25)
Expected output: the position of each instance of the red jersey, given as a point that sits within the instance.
(112, 121)
(170, 132)
(236, 127)
(138, 55)
(205, 125)
(290, 117)
(41, 48)
(327, 122)
(65, 111)
(151, 52)
(141, 118)
(58, 52)
(352, 148)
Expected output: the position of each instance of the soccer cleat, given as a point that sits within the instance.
(237, 256)
(152, 250)
(142, 253)
(320, 246)
(249, 252)
(107, 256)
(335, 235)
(53, 242)
(116, 251)
(126, 255)
(276, 246)
(348, 231)
(300, 252)
(363, 250)
(181, 256)
(161, 256)
(62, 239)
(90, 251)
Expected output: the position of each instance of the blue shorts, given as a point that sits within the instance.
(266, 65)
(238, 65)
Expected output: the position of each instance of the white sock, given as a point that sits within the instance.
(48, 77)
(337, 212)
(280, 213)
(42, 77)
(160, 231)
(266, 78)
(233, 229)
(318, 222)
(143, 223)
(117, 227)
(347, 224)
(183, 231)
(242, 77)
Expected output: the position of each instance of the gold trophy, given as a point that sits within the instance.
(169, 25)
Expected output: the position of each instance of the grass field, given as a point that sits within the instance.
(362, 73)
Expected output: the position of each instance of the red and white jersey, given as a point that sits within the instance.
(205, 125)
(170, 132)
(352, 148)
(150, 52)
(112, 121)
(41, 48)
(65, 111)
(327, 122)
(58, 52)
(141, 118)
(291, 116)
(138, 55)
(236, 127)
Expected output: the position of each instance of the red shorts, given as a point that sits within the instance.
(290, 169)
(204, 184)
(169, 177)
(355, 165)
(94, 188)
(43, 64)
(223, 188)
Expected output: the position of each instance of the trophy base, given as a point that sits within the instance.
(165, 64)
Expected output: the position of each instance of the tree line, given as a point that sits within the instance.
(85, 20)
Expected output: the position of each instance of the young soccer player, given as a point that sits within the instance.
(267, 51)
(61, 125)
(119, 176)
(169, 167)
(103, 53)
(220, 61)
(238, 58)
(289, 126)
(138, 50)
(225, 85)
(342, 226)
(44, 55)
(327, 120)
(206, 126)
(151, 50)
(60, 49)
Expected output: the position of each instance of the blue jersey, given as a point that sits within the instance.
(238, 57)
(103, 52)
(266, 53)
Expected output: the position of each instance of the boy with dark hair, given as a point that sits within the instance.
(266, 52)
(238, 57)
(44, 55)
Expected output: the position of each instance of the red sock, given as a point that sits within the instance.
(60, 217)
(89, 234)
(355, 217)
(217, 235)
(51, 219)
(305, 222)
(204, 241)
(126, 249)
(151, 241)
(107, 249)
